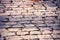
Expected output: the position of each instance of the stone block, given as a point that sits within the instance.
(46, 39)
(44, 36)
(46, 32)
(45, 28)
(49, 21)
(29, 29)
(15, 19)
(56, 31)
(24, 22)
(26, 18)
(14, 29)
(38, 18)
(37, 21)
(5, 1)
(18, 26)
(30, 16)
(29, 36)
(29, 25)
(56, 35)
(35, 32)
(6, 33)
(22, 33)
(41, 25)
(13, 38)
(39, 7)
(27, 14)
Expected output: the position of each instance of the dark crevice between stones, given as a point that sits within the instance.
(4, 38)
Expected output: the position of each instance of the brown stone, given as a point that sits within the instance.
(35, 0)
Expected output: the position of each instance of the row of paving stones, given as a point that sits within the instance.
(17, 34)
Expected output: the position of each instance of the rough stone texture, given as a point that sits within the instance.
(26, 20)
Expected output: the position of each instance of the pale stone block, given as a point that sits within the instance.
(29, 36)
(22, 33)
(41, 25)
(15, 19)
(51, 8)
(18, 26)
(35, 21)
(49, 21)
(5, 1)
(26, 18)
(17, 8)
(24, 22)
(29, 29)
(38, 18)
(50, 18)
(38, 13)
(29, 25)
(32, 11)
(56, 35)
(27, 14)
(46, 39)
(35, 32)
(39, 7)
(14, 29)
(13, 38)
(30, 16)
(17, 16)
(28, 8)
(4, 14)
(56, 31)
(47, 32)
(44, 36)
(7, 33)
(50, 13)
(45, 28)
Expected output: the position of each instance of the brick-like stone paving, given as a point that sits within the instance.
(26, 20)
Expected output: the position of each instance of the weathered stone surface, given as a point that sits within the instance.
(27, 20)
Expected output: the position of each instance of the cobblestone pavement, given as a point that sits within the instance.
(26, 20)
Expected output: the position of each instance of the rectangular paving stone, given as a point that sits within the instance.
(24, 22)
(26, 13)
(29, 29)
(14, 29)
(17, 16)
(29, 36)
(29, 25)
(26, 18)
(39, 7)
(37, 21)
(56, 35)
(18, 26)
(22, 33)
(45, 28)
(46, 39)
(7, 34)
(3, 14)
(5, 1)
(13, 38)
(56, 31)
(44, 36)
(37, 18)
(41, 25)
(49, 21)
(46, 32)
(15, 19)
(30, 16)
(35, 32)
